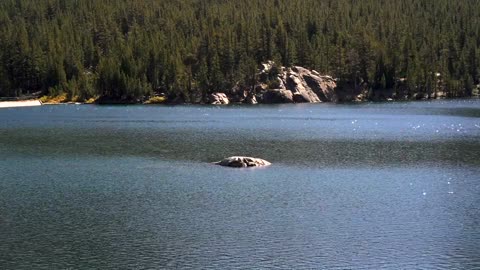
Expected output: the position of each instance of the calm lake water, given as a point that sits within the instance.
(366, 186)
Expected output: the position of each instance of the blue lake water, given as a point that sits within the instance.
(354, 186)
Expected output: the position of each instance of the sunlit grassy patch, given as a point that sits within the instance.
(91, 100)
(156, 100)
(54, 99)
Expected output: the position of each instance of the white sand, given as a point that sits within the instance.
(23, 103)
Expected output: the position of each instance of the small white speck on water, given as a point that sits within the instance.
(424, 193)
(411, 184)
(450, 192)
(448, 182)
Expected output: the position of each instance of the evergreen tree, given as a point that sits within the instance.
(128, 49)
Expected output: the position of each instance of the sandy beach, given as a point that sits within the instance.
(23, 103)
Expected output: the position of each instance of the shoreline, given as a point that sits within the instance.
(37, 102)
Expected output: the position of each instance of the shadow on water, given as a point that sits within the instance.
(209, 146)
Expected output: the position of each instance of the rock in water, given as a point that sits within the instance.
(243, 162)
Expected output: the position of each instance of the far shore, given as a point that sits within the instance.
(37, 102)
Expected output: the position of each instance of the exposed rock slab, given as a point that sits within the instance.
(279, 84)
(304, 85)
(243, 162)
(219, 99)
(295, 82)
(277, 96)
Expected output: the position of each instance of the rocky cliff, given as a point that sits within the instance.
(283, 85)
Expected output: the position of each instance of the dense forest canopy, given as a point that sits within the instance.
(129, 48)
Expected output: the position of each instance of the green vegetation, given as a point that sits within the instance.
(124, 49)
(55, 99)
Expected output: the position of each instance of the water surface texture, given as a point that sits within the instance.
(365, 186)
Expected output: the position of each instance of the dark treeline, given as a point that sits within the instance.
(129, 49)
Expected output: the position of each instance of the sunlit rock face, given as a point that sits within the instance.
(219, 99)
(243, 162)
(295, 84)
